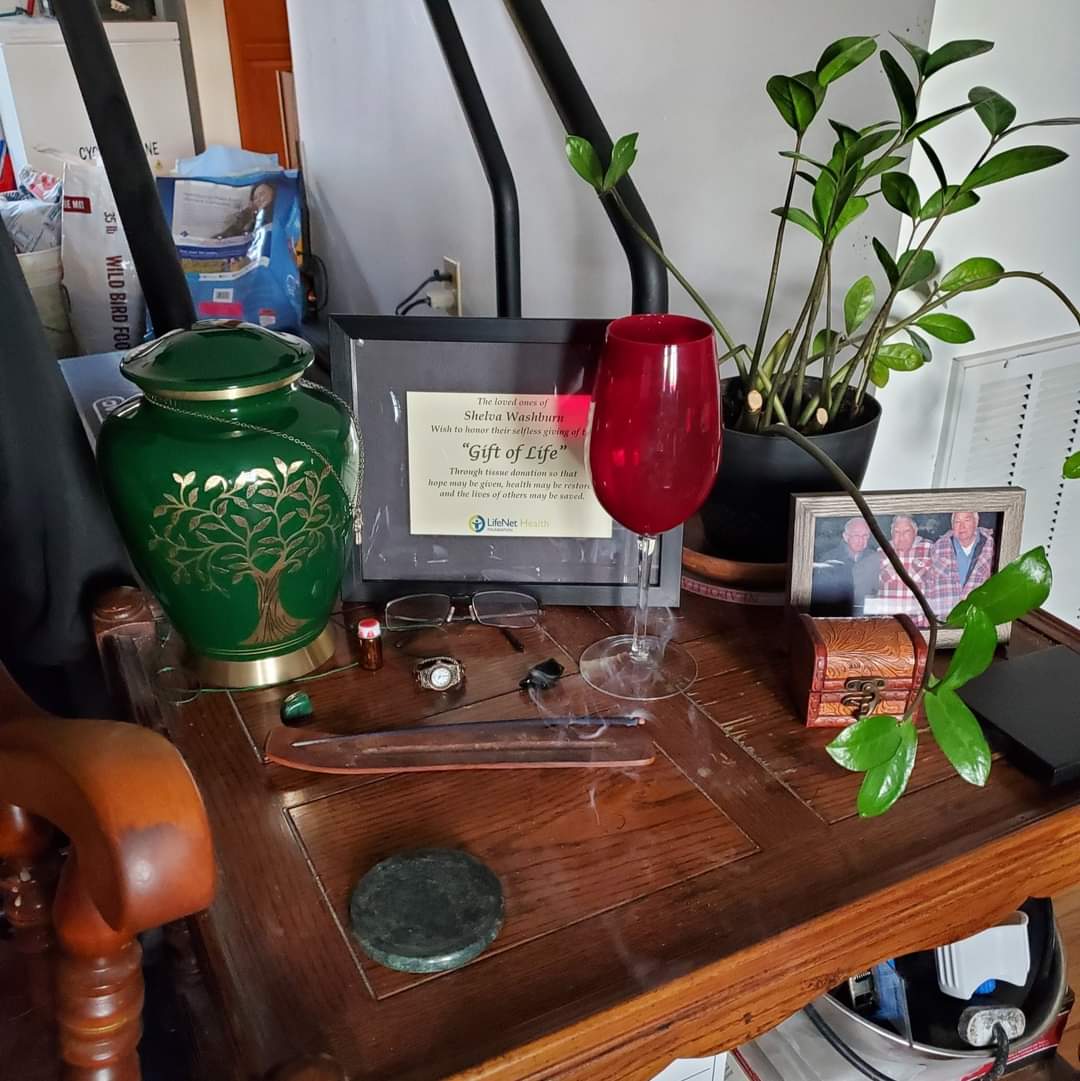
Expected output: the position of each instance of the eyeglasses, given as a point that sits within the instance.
(492, 607)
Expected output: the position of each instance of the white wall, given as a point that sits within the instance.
(1029, 223)
(395, 184)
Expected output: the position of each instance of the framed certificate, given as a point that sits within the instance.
(475, 469)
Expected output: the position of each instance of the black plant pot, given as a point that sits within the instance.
(746, 515)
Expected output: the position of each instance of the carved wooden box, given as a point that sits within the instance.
(843, 669)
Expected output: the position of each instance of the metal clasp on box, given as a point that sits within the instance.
(863, 695)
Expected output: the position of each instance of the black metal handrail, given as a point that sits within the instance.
(492, 157)
(579, 116)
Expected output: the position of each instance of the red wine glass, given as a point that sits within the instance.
(654, 449)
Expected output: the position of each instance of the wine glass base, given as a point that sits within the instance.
(663, 671)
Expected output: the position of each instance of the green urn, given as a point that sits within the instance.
(234, 485)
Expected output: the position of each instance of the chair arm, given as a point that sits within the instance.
(127, 801)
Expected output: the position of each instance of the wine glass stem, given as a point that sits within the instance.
(646, 549)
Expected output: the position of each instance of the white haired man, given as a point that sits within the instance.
(963, 559)
(847, 573)
(916, 554)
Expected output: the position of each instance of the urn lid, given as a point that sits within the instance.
(217, 360)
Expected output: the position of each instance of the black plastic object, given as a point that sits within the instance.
(543, 676)
(492, 157)
(746, 515)
(648, 275)
(1031, 707)
(431, 910)
(163, 283)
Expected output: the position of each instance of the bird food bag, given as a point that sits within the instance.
(237, 238)
(103, 292)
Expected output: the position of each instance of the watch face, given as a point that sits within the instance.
(441, 677)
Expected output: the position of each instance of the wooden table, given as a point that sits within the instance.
(671, 911)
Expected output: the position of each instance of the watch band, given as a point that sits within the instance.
(426, 673)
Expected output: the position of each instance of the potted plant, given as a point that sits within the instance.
(815, 376)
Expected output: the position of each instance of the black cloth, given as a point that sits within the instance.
(58, 542)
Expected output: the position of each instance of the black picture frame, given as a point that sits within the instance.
(371, 356)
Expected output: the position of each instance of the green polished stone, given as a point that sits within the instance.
(431, 910)
(295, 706)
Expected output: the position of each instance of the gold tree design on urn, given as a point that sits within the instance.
(258, 527)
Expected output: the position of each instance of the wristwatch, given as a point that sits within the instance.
(439, 674)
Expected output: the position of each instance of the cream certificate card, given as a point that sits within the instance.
(500, 464)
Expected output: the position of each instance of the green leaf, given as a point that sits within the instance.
(823, 198)
(931, 122)
(1015, 162)
(915, 266)
(799, 217)
(802, 174)
(884, 784)
(946, 328)
(622, 157)
(1071, 469)
(867, 144)
(879, 374)
(957, 200)
(843, 56)
(1049, 122)
(921, 344)
(866, 743)
(886, 261)
(824, 337)
(900, 356)
(880, 165)
(855, 206)
(584, 160)
(802, 157)
(1011, 593)
(875, 125)
(901, 193)
(974, 651)
(996, 112)
(971, 270)
(958, 734)
(916, 52)
(858, 303)
(795, 101)
(845, 135)
(902, 89)
(953, 51)
(809, 79)
(935, 162)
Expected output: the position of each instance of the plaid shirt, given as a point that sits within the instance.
(918, 562)
(946, 590)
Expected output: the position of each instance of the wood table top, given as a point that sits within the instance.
(674, 910)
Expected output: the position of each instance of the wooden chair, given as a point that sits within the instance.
(138, 855)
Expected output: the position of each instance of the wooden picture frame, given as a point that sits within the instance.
(818, 565)
(375, 362)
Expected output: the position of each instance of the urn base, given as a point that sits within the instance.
(266, 670)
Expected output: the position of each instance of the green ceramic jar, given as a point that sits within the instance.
(234, 487)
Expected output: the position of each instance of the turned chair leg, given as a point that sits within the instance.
(99, 988)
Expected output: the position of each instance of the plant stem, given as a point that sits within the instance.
(774, 273)
(830, 349)
(852, 489)
(695, 296)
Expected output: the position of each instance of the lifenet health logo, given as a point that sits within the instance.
(477, 523)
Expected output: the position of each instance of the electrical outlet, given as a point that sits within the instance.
(453, 268)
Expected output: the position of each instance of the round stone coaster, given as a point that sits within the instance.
(431, 910)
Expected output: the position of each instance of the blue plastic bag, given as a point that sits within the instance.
(237, 238)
